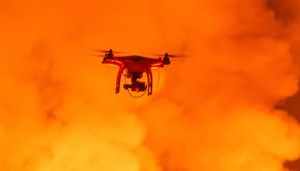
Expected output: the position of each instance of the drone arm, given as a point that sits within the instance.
(115, 62)
(155, 65)
(112, 62)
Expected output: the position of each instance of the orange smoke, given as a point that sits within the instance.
(214, 110)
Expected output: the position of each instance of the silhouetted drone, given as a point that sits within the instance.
(135, 66)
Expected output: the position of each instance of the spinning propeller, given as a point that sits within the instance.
(107, 51)
(169, 55)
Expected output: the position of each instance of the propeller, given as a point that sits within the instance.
(106, 51)
(170, 55)
(110, 51)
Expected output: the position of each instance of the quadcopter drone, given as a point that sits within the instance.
(134, 67)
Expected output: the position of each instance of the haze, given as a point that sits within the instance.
(217, 109)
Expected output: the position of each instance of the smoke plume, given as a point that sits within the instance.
(213, 110)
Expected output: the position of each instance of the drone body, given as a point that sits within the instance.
(134, 67)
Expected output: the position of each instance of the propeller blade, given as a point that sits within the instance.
(170, 55)
(106, 51)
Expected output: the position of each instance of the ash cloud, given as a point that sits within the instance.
(213, 111)
(242, 63)
(56, 112)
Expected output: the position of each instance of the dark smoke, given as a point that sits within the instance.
(285, 12)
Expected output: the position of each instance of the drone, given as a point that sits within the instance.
(135, 66)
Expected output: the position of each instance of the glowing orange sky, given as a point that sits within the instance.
(214, 110)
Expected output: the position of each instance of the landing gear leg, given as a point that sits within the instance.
(149, 77)
(121, 69)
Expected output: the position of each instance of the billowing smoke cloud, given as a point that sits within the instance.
(242, 62)
(213, 110)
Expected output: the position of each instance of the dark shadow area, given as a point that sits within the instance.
(292, 105)
(293, 165)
